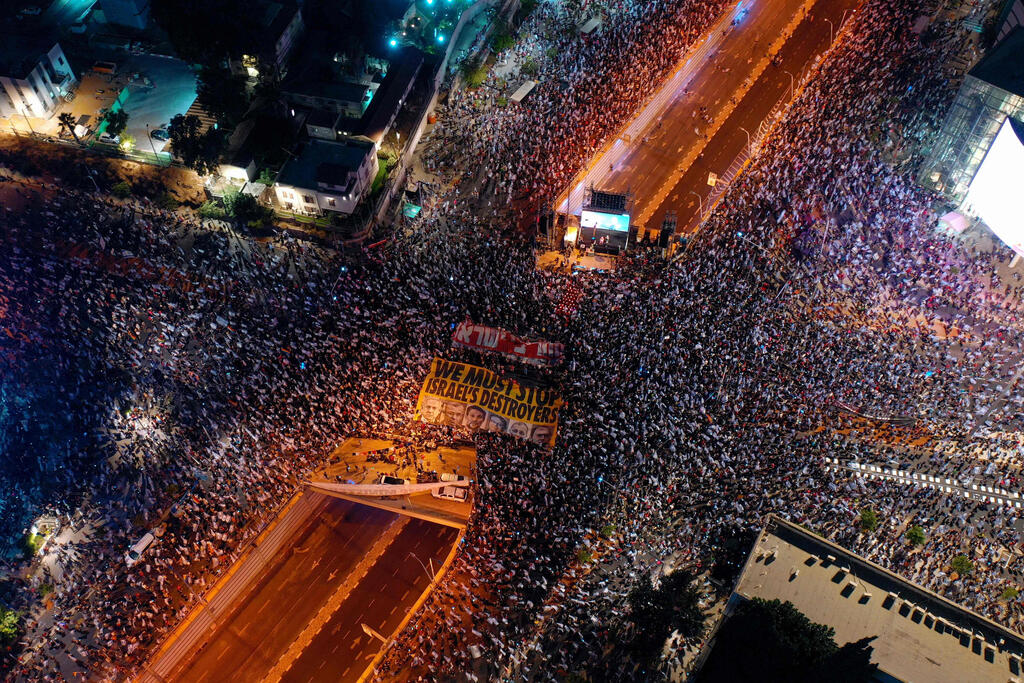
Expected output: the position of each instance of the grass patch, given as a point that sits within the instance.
(122, 190)
(379, 179)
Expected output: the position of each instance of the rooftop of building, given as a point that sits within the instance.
(276, 16)
(322, 118)
(404, 69)
(19, 54)
(1003, 66)
(921, 635)
(324, 161)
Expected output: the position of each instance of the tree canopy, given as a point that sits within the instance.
(223, 94)
(656, 612)
(773, 641)
(206, 33)
(10, 625)
(117, 121)
(198, 150)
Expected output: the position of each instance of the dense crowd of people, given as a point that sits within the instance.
(161, 373)
(821, 282)
(588, 87)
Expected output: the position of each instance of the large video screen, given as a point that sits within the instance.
(617, 222)
(996, 193)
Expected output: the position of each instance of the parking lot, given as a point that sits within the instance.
(158, 88)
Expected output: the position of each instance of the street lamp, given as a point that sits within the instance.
(430, 574)
(31, 129)
(791, 82)
(700, 203)
(831, 31)
(151, 145)
(756, 244)
(747, 132)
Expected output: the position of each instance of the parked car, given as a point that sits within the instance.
(456, 493)
(448, 476)
(159, 134)
(136, 551)
(107, 137)
(393, 481)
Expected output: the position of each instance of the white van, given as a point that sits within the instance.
(135, 552)
(456, 493)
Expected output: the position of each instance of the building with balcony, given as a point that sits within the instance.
(327, 177)
(34, 77)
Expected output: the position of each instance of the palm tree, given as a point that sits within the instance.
(68, 122)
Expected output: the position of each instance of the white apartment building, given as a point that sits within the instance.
(327, 176)
(33, 79)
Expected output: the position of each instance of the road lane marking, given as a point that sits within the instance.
(316, 624)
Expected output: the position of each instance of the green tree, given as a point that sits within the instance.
(915, 535)
(266, 177)
(852, 663)
(244, 208)
(1009, 593)
(212, 210)
(223, 94)
(530, 67)
(207, 33)
(655, 612)
(475, 73)
(198, 150)
(10, 625)
(868, 519)
(67, 122)
(30, 545)
(502, 39)
(584, 555)
(962, 565)
(779, 643)
(117, 121)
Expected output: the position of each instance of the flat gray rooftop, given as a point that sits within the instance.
(921, 636)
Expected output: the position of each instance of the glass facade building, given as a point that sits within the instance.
(992, 91)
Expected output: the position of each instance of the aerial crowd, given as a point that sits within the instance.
(164, 373)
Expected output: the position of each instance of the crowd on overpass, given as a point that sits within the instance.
(175, 377)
